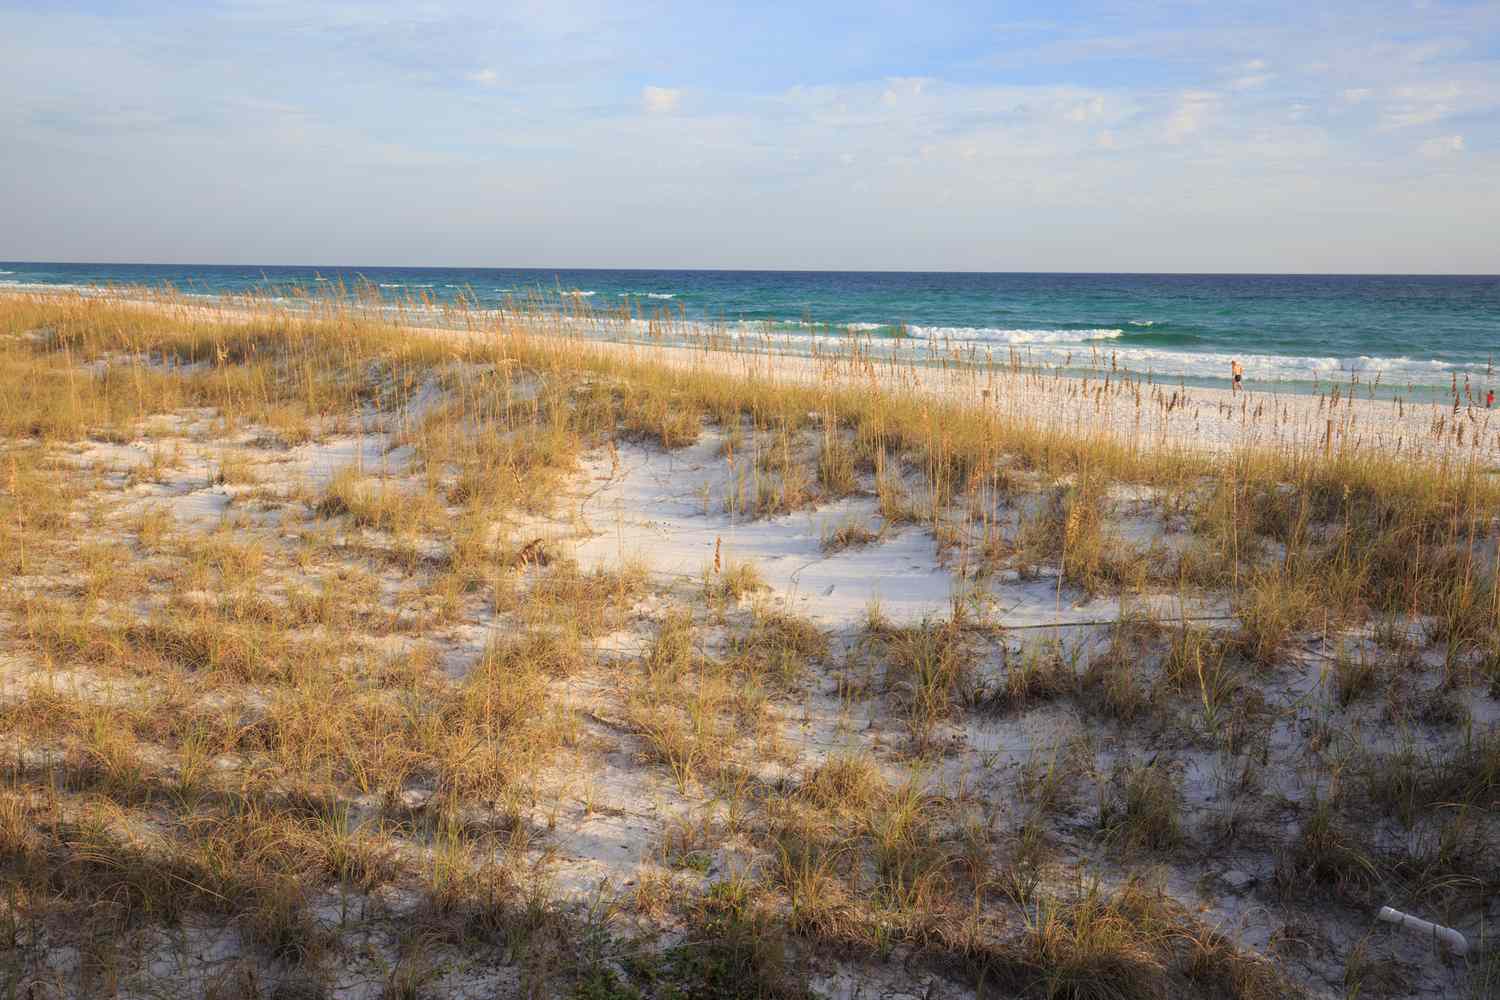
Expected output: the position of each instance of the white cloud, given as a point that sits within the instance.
(1086, 110)
(1406, 115)
(1443, 145)
(1446, 91)
(1425, 104)
(899, 90)
(1423, 51)
(1252, 75)
(758, 154)
(660, 100)
(1193, 109)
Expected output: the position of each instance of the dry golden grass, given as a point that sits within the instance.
(372, 688)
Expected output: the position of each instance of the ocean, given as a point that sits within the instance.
(1396, 335)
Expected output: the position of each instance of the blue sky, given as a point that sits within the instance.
(1067, 136)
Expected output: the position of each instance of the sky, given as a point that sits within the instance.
(1057, 136)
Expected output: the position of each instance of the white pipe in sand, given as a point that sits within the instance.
(1455, 941)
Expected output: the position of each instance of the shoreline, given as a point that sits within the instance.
(1155, 415)
(1061, 351)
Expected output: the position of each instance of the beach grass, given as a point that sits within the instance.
(301, 669)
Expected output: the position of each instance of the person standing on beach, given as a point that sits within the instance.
(1238, 371)
(1489, 399)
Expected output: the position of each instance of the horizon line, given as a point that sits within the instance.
(768, 270)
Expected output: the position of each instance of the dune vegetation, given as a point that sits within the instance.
(403, 651)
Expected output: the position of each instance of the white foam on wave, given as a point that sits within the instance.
(997, 335)
(1081, 349)
(54, 286)
(1274, 367)
(1143, 322)
(579, 295)
(967, 334)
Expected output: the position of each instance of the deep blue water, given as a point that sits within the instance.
(1289, 329)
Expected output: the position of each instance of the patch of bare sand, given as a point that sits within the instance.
(668, 511)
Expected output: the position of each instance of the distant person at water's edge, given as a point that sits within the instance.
(1238, 371)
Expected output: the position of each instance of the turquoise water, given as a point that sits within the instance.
(1399, 334)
